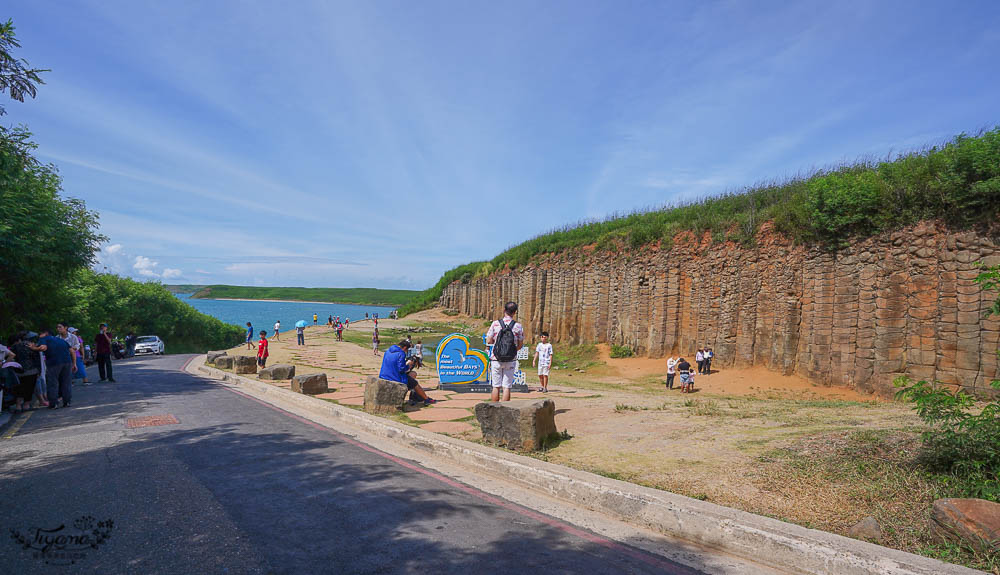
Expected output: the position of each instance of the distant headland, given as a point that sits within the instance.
(358, 296)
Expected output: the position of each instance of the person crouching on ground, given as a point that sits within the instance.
(262, 349)
(507, 338)
(395, 367)
(543, 359)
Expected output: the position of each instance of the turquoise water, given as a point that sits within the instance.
(263, 314)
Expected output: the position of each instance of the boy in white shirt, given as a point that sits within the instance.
(543, 359)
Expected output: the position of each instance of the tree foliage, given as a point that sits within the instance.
(44, 238)
(92, 298)
(17, 78)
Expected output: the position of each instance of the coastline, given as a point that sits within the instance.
(296, 301)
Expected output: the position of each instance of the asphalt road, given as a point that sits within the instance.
(238, 486)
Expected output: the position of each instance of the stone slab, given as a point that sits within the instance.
(382, 396)
(455, 427)
(522, 424)
(438, 414)
(310, 384)
(462, 403)
(244, 364)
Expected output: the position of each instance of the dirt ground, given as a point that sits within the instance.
(782, 446)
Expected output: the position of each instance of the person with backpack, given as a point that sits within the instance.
(507, 337)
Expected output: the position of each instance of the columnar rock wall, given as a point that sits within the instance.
(904, 302)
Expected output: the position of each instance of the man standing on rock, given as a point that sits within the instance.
(507, 338)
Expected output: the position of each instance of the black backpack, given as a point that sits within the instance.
(505, 349)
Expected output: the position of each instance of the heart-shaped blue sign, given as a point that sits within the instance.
(457, 362)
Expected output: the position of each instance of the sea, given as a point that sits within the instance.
(263, 314)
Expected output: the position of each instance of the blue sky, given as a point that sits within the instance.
(379, 144)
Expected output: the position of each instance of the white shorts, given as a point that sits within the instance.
(543, 368)
(502, 373)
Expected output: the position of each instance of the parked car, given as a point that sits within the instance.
(149, 344)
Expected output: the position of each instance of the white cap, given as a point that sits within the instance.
(71, 329)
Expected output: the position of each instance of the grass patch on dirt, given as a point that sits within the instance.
(832, 481)
(575, 357)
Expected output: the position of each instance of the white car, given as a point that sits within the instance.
(149, 344)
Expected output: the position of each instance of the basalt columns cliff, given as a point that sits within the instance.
(901, 303)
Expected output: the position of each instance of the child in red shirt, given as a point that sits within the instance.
(262, 349)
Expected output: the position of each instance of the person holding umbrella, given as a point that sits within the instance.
(300, 331)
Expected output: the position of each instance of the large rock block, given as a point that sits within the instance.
(244, 364)
(224, 362)
(310, 384)
(211, 356)
(277, 371)
(382, 396)
(975, 522)
(523, 424)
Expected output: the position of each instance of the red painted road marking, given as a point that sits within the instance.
(669, 566)
(150, 421)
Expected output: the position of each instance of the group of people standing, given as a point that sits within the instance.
(680, 366)
(40, 368)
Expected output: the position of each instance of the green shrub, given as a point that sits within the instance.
(961, 443)
(621, 351)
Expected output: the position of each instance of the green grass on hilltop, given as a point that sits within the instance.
(360, 296)
(957, 183)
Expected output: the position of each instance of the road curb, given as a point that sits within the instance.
(761, 539)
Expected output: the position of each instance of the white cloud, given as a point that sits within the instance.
(113, 248)
(144, 263)
(169, 273)
(149, 273)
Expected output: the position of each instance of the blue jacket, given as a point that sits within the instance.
(394, 364)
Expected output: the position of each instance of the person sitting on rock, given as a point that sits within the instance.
(395, 367)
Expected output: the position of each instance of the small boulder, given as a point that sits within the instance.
(975, 522)
(244, 364)
(383, 396)
(523, 424)
(224, 362)
(211, 356)
(310, 384)
(277, 371)
(867, 529)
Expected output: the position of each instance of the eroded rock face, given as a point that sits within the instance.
(244, 364)
(224, 362)
(277, 371)
(311, 384)
(522, 424)
(974, 522)
(382, 396)
(900, 303)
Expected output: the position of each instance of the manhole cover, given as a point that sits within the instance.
(150, 421)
